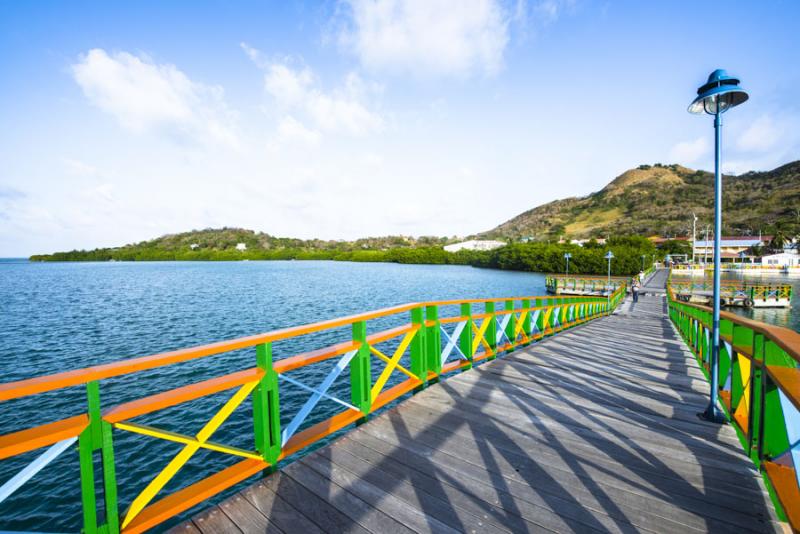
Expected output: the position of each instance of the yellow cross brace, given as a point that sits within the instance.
(479, 339)
(188, 450)
(391, 364)
(546, 320)
(743, 408)
(186, 440)
(520, 325)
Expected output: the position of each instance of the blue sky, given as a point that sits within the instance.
(126, 121)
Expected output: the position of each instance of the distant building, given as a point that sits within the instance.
(194, 246)
(241, 247)
(581, 242)
(474, 245)
(784, 259)
(730, 247)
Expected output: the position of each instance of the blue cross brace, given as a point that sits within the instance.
(791, 416)
(316, 396)
(452, 342)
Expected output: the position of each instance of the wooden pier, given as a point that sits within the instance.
(517, 414)
(593, 430)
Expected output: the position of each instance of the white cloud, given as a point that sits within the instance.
(550, 10)
(688, 152)
(290, 129)
(79, 168)
(145, 96)
(102, 192)
(297, 92)
(288, 86)
(427, 37)
(762, 135)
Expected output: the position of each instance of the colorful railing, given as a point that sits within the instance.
(735, 290)
(589, 284)
(759, 369)
(433, 344)
(686, 267)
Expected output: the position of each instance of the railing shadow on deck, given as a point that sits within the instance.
(457, 437)
(425, 443)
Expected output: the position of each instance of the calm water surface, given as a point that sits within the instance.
(788, 317)
(57, 317)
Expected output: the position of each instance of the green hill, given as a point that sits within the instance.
(649, 200)
(660, 199)
(226, 244)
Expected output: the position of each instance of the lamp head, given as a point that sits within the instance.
(720, 93)
(567, 255)
(609, 255)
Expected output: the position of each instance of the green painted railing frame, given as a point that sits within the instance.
(754, 348)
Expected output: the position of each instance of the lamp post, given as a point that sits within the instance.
(694, 234)
(719, 94)
(742, 256)
(567, 256)
(608, 256)
(643, 257)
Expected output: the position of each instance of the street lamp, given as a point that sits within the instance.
(720, 93)
(567, 256)
(742, 256)
(643, 257)
(608, 256)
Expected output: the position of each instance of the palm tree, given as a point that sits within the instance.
(779, 239)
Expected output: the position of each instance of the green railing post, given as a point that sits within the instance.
(109, 478)
(266, 408)
(511, 327)
(360, 373)
(465, 340)
(776, 440)
(526, 323)
(540, 324)
(491, 330)
(88, 497)
(419, 365)
(433, 343)
(97, 436)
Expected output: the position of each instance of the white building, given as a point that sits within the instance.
(784, 259)
(474, 245)
(729, 246)
(581, 242)
(241, 247)
(194, 246)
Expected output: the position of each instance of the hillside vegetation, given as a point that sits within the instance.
(220, 245)
(649, 200)
(659, 200)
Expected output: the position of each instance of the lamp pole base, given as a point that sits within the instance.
(713, 415)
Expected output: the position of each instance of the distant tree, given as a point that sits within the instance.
(675, 247)
(778, 240)
(756, 250)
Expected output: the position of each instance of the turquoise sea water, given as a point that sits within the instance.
(58, 317)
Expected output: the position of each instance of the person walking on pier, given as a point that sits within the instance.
(635, 286)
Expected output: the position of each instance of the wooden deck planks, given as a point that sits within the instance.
(593, 430)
